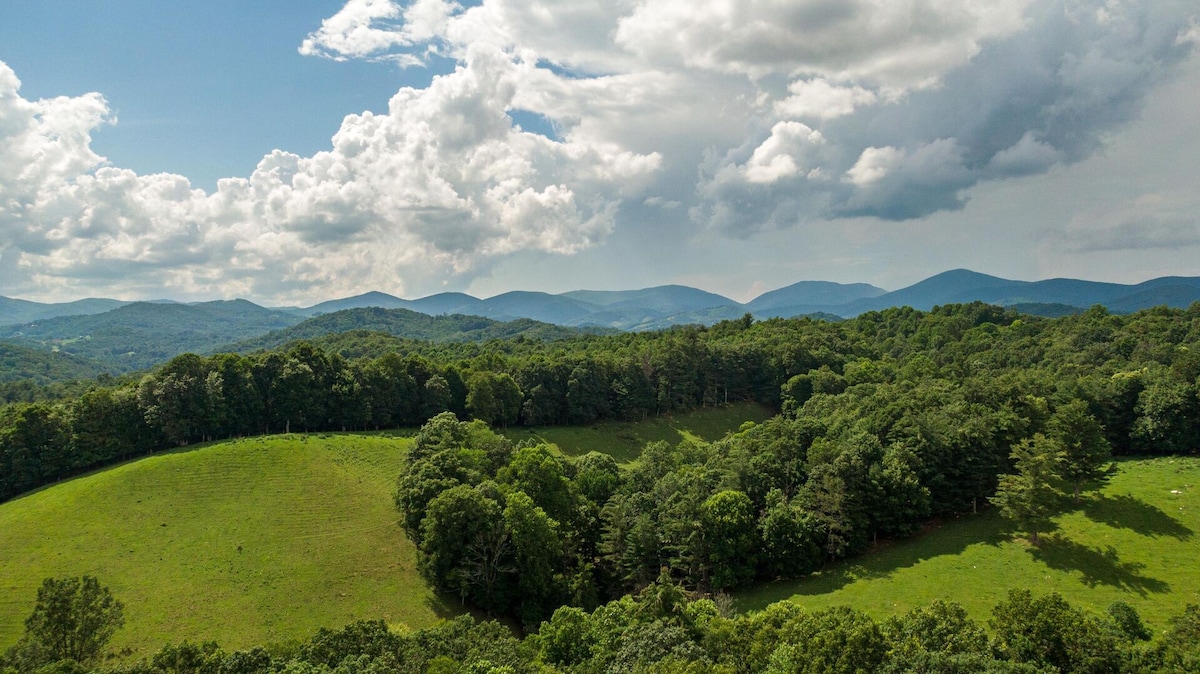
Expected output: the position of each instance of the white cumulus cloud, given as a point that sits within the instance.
(433, 188)
(821, 100)
(372, 28)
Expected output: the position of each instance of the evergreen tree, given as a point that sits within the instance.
(1029, 496)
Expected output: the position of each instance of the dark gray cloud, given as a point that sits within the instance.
(1045, 96)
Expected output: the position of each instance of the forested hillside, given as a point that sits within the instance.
(407, 324)
(40, 367)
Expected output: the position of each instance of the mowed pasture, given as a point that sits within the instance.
(244, 542)
(1138, 541)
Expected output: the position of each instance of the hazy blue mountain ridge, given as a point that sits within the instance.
(538, 306)
(371, 299)
(661, 299)
(810, 294)
(138, 335)
(15, 312)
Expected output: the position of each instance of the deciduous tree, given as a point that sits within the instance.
(73, 619)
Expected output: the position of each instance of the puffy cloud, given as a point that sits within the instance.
(782, 154)
(821, 100)
(436, 186)
(372, 28)
(873, 165)
(1046, 95)
(895, 44)
(895, 184)
(913, 101)
(765, 183)
(1026, 156)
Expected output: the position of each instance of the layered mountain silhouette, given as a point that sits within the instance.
(139, 334)
(663, 306)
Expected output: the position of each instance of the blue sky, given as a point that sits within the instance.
(202, 89)
(414, 146)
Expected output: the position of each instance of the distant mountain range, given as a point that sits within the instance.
(663, 306)
(961, 285)
(646, 309)
(14, 311)
(124, 336)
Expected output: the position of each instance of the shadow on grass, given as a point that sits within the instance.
(1127, 512)
(950, 537)
(1098, 566)
(447, 608)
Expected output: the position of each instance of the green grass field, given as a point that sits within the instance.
(1135, 542)
(624, 441)
(245, 542)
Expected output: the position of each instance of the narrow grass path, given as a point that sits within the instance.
(1138, 542)
(244, 542)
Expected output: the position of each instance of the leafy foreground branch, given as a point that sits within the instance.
(663, 629)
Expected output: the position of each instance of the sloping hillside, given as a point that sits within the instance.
(1136, 542)
(246, 542)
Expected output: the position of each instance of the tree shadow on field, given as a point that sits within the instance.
(1098, 566)
(447, 608)
(947, 537)
(1127, 512)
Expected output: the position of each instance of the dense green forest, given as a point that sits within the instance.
(413, 325)
(886, 420)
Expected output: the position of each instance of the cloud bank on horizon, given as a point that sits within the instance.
(728, 118)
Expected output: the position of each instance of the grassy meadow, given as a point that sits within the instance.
(244, 542)
(1135, 542)
(624, 441)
